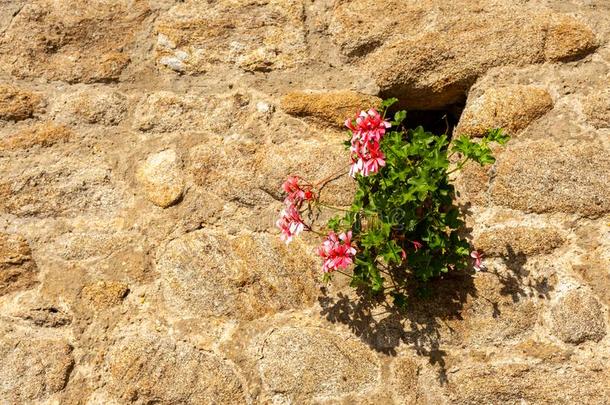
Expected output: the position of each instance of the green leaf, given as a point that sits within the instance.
(497, 135)
(451, 218)
(399, 117)
(392, 252)
(372, 239)
(400, 300)
(334, 223)
(388, 102)
(376, 280)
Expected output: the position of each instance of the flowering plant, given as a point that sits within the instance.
(403, 222)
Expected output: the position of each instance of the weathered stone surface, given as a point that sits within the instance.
(472, 183)
(317, 160)
(486, 309)
(310, 364)
(17, 268)
(201, 302)
(498, 309)
(194, 37)
(597, 108)
(413, 383)
(104, 294)
(17, 104)
(119, 258)
(225, 168)
(43, 135)
(8, 9)
(92, 106)
(33, 368)
(205, 273)
(64, 283)
(405, 373)
(595, 272)
(331, 108)
(90, 244)
(47, 186)
(548, 352)
(49, 317)
(511, 108)
(78, 41)
(517, 382)
(148, 369)
(544, 176)
(161, 178)
(422, 51)
(518, 240)
(567, 39)
(167, 112)
(578, 317)
(227, 186)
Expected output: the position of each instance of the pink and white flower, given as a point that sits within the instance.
(290, 223)
(367, 157)
(370, 126)
(292, 189)
(295, 192)
(478, 257)
(374, 161)
(337, 251)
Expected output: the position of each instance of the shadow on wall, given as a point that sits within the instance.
(384, 327)
(518, 282)
(425, 324)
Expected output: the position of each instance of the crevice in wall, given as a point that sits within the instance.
(436, 121)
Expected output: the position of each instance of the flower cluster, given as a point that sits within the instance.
(403, 224)
(295, 192)
(366, 153)
(337, 251)
(291, 223)
(478, 257)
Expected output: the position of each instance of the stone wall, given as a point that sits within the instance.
(142, 145)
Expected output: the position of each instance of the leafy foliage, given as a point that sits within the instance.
(402, 223)
(403, 218)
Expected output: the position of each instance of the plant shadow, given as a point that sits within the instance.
(425, 324)
(383, 326)
(518, 282)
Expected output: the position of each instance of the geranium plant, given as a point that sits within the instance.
(403, 223)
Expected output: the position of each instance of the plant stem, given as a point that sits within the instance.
(310, 229)
(380, 267)
(459, 166)
(345, 274)
(333, 208)
(319, 185)
(384, 272)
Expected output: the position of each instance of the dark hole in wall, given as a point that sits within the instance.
(436, 121)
